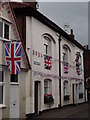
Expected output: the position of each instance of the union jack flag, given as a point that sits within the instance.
(65, 67)
(47, 62)
(13, 57)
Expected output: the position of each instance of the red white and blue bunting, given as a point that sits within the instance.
(53, 76)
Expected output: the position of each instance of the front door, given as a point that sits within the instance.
(73, 93)
(37, 97)
(14, 97)
(14, 101)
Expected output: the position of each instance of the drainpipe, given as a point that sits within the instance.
(84, 76)
(59, 40)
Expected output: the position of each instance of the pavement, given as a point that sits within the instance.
(77, 111)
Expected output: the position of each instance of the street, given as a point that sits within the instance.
(78, 111)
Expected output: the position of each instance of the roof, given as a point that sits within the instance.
(26, 60)
(29, 11)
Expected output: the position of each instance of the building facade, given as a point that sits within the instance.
(72, 72)
(12, 87)
(56, 77)
(55, 72)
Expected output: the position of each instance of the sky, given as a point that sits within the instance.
(67, 12)
(73, 14)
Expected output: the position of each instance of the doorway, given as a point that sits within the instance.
(37, 96)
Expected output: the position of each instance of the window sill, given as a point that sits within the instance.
(2, 106)
(6, 40)
(14, 83)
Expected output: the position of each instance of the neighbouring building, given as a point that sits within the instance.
(87, 69)
(12, 87)
(56, 59)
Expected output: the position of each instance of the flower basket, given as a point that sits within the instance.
(80, 95)
(66, 97)
(48, 99)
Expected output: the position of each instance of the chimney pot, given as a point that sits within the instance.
(72, 35)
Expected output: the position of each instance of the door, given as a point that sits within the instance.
(37, 97)
(14, 101)
(73, 93)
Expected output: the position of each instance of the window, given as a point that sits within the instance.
(65, 59)
(80, 87)
(47, 46)
(80, 90)
(47, 86)
(1, 29)
(1, 87)
(65, 87)
(14, 78)
(65, 54)
(4, 29)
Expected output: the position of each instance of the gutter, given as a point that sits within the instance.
(59, 40)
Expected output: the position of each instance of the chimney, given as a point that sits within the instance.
(72, 35)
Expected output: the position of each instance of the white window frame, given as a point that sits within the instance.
(9, 24)
(48, 43)
(3, 84)
(65, 54)
(48, 87)
(14, 83)
(80, 87)
(65, 88)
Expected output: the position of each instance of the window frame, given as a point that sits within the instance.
(48, 87)
(65, 88)
(48, 45)
(80, 87)
(7, 23)
(3, 84)
(13, 82)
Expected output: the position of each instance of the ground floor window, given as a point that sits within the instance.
(66, 90)
(80, 90)
(48, 96)
(1, 87)
(47, 86)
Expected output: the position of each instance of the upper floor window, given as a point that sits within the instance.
(66, 56)
(47, 46)
(4, 29)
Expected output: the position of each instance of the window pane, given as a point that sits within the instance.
(1, 29)
(14, 78)
(1, 94)
(6, 31)
(1, 76)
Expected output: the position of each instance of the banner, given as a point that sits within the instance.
(13, 57)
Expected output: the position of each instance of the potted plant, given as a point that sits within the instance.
(80, 95)
(48, 98)
(66, 97)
